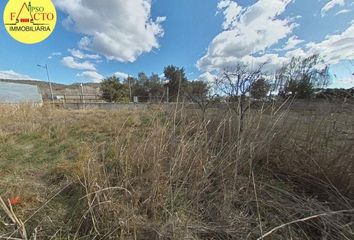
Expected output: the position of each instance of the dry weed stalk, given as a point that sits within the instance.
(158, 175)
(19, 225)
(303, 220)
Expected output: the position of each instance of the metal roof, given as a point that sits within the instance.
(19, 93)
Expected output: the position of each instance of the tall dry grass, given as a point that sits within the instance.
(171, 175)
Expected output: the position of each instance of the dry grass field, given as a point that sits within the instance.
(171, 175)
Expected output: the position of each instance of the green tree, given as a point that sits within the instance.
(148, 88)
(305, 88)
(177, 81)
(139, 87)
(145, 88)
(259, 89)
(196, 91)
(113, 90)
(156, 88)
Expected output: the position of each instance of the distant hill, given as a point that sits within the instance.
(60, 89)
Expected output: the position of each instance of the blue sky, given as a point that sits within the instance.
(94, 39)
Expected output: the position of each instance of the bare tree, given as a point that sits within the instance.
(199, 93)
(300, 76)
(236, 84)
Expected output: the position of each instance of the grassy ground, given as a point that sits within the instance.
(171, 175)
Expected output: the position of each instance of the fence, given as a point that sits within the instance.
(106, 106)
(82, 99)
(69, 98)
(92, 98)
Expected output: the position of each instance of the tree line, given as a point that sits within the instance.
(299, 79)
(170, 88)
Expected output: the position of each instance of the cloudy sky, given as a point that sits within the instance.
(94, 39)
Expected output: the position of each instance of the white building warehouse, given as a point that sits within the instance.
(16, 93)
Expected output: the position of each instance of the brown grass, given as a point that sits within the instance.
(170, 175)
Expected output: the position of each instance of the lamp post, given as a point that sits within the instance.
(50, 84)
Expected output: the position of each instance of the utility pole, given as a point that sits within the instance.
(130, 89)
(166, 82)
(82, 93)
(50, 84)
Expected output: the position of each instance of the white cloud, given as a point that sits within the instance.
(253, 29)
(272, 62)
(331, 4)
(80, 55)
(299, 52)
(207, 77)
(118, 29)
(231, 11)
(343, 11)
(91, 76)
(250, 34)
(335, 47)
(121, 75)
(12, 75)
(292, 43)
(54, 54)
(70, 62)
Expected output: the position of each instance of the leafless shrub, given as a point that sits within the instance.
(235, 84)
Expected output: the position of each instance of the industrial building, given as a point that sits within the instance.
(15, 93)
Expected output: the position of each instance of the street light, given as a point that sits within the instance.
(50, 84)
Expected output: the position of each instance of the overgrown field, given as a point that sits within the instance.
(156, 174)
